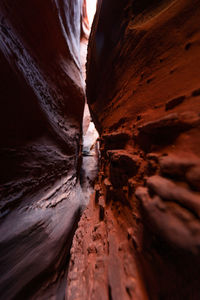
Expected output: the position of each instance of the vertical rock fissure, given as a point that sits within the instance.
(90, 151)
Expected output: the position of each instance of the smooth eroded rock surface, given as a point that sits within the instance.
(42, 100)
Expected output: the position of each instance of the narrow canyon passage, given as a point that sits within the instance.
(90, 147)
(115, 214)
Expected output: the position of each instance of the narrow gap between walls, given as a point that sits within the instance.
(90, 147)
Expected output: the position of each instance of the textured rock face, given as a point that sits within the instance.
(41, 111)
(142, 229)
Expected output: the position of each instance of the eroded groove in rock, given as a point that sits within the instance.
(139, 237)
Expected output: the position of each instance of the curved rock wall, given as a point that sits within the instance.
(40, 122)
(142, 230)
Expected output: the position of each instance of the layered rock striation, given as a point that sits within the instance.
(40, 121)
(142, 229)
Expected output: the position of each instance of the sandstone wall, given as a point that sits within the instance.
(142, 230)
(42, 102)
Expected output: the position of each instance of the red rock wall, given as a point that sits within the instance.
(42, 102)
(142, 231)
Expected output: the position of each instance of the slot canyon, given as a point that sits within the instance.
(113, 215)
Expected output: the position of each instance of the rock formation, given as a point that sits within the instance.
(139, 238)
(41, 115)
